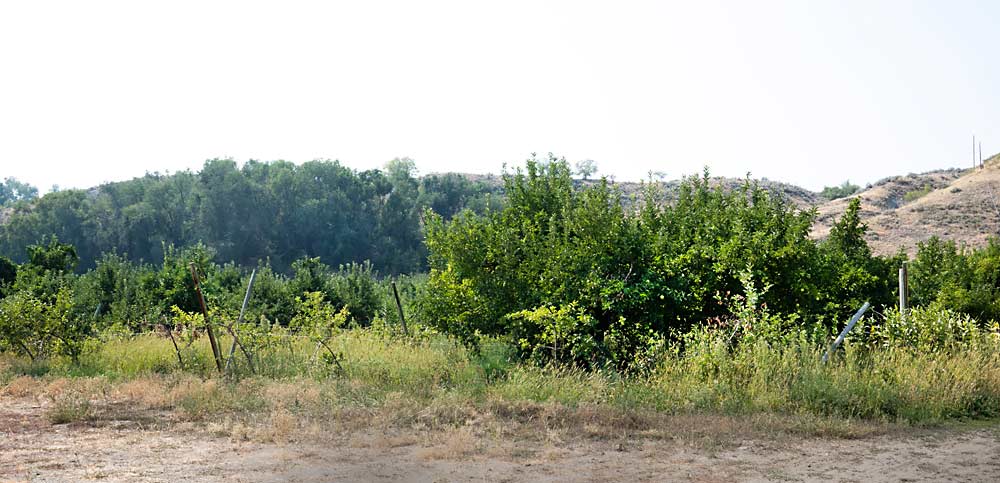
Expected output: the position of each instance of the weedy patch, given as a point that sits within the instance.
(455, 444)
(69, 406)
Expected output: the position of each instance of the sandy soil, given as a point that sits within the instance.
(32, 449)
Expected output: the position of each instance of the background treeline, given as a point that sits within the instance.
(273, 211)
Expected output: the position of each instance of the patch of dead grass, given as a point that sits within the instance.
(281, 426)
(23, 386)
(69, 406)
(394, 441)
(455, 444)
(299, 393)
(150, 392)
(453, 427)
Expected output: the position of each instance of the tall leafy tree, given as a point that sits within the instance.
(12, 190)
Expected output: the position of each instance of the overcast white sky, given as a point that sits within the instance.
(810, 92)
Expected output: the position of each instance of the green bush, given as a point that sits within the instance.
(40, 328)
(842, 191)
(355, 287)
(8, 275)
(112, 294)
(851, 274)
(961, 279)
(172, 285)
(574, 266)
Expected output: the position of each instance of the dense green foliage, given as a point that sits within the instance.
(844, 190)
(571, 274)
(12, 191)
(48, 310)
(964, 280)
(276, 211)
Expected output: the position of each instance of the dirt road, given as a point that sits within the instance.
(33, 449)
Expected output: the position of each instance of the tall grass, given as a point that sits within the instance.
(874, 377)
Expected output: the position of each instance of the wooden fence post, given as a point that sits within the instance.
(904, 290)
(399, 307)
(204, 311)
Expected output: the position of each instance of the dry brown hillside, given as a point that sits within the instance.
(960, 205)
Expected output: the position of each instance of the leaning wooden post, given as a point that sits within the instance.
(843, 335)
(243, 309)
(204, 311)
(904, 290)
(399, 307)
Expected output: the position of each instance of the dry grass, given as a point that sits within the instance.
(22, 386)
(281, 426)
(453, 444)
(294, 394)
(448, 427)
(149, 392)
(391, 441)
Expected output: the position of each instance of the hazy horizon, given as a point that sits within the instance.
(659, 176)
(811, 94)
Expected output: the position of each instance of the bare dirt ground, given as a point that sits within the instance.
(33, 449)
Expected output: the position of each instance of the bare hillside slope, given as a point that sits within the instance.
(960, 205)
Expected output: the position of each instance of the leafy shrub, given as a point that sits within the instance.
(8, 275)
(573, 267)
(19, 317)
(842, 191)
(558, 334)
(39, 328)
(918, 193)
(853, 275)
(111, 294)
(355, 287)
(320, 321)
(310, 275)
(964, 280)
(172, 284)
(551, 245)
(53, 256)
(271, 299)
